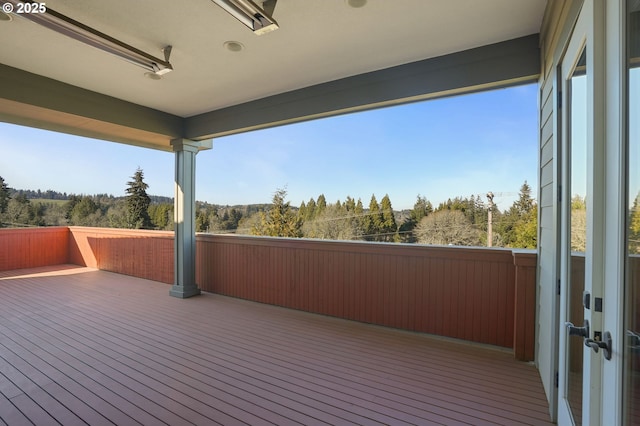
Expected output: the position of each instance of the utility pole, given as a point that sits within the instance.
(490, 223)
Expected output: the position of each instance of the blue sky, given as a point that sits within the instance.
(440, 149)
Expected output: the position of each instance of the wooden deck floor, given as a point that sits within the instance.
(80, 346)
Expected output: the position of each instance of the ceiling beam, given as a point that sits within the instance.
(32, 100)
(502, 64)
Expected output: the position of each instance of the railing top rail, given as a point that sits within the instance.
(391, 249)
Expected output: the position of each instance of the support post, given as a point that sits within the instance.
(524, 315)
(490, 220)
(184, 217)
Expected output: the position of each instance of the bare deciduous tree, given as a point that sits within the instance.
(447, 227)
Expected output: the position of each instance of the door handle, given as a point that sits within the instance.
(596, 344)
(605, 344)
(578, 331)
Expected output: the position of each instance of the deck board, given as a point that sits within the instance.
(84, 346)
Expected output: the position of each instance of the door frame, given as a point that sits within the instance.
(588, 34)
(613, 42)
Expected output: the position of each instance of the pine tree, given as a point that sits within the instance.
(421, 208)
(161, 216)
(389, 228)
(373, 220)
(358, 212)
(302, 211)
(4, 198)
(515, 225)
(525, 203)
(280, 220)
(137, 202)
(321, 204)
(350, 204)
(526, 231)
(234, 218)
(202, 220)
(310, 212)
(85, 212)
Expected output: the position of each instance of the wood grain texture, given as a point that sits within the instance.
(30, 247)
(476, 294)
(80, 346)
(466, 293)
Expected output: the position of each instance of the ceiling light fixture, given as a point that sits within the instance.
(71, 28)
(257, 19)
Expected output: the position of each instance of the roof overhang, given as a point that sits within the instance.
(293, 74)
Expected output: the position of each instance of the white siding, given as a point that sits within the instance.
(556, 28)
(546, 334)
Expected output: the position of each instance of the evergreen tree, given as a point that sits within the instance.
(202, 220)
(350, 204)
(280, 220)
(4, 199)
(36, 212)
(525, 203)
(421, 208)
(389, 228)
(526, 231)
(514, 226)
(84, 212)
(302, 211)
(321, 204)
(373, 220)
(361, 218)
(4, 196)
(233, 219)
(161, 215)
(310, 212)
(137, 202)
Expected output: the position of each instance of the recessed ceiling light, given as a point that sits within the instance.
(5, 17)
(152, 76)
(356, 3)
(233, 46)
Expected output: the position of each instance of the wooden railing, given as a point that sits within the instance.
(465, 293)
(29, 247)
(476, 294)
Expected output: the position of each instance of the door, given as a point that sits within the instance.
(582, 221)
(631, 328)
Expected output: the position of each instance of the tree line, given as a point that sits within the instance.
(458, 221)
(137, 209)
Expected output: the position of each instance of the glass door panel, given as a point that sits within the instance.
(577, 227)
(632, 323)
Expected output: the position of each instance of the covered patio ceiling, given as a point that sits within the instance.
(326, 58)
